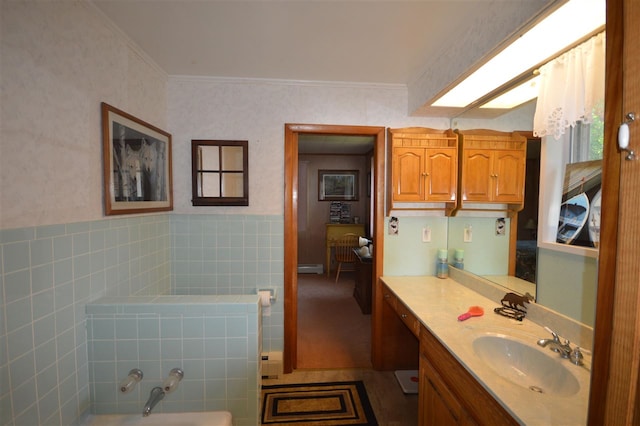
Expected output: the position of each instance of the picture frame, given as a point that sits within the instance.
(137, 164)
(338, 185)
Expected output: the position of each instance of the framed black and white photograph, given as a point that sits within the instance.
(137, 164)
(337, 185)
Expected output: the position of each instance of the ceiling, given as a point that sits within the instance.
(424, 45)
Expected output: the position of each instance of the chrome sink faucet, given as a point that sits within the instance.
(564, 349)
(155, 396)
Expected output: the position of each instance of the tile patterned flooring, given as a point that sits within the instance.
(391, 406)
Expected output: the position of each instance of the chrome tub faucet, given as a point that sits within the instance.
(155, 396)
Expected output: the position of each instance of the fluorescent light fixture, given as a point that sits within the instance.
(516, 96)
(571, 22)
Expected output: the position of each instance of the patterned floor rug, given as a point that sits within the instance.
(337, 404)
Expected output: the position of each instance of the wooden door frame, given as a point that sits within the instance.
(615, 377)
(291, 133)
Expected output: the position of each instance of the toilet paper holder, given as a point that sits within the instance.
(272, 293)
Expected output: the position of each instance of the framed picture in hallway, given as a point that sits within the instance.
(337, 185)
(137, 164)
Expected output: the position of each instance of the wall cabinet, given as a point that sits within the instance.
(492, 170)
(423, 169)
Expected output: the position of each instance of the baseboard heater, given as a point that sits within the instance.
(272, 364)
(310, 268)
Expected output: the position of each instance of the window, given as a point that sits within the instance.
(581, 143)
(586, 140)
(220, 173)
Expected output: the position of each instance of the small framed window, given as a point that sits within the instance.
(220, 173)
(586, 141)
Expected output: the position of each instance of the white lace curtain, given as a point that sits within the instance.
(571, 89)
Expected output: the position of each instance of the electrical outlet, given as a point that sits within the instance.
(468, 234)
(426, 235)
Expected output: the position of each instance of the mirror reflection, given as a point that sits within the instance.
(562, 277)
(514, 269)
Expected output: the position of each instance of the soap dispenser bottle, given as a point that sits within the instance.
(442, 265)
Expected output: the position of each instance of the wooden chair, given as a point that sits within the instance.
(344, 250)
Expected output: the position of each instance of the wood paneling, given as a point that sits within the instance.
(616, 372)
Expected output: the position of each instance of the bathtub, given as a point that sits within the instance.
(205, 418)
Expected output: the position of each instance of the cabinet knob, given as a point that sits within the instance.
(403, 316)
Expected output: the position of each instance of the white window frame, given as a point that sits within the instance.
(554, 155)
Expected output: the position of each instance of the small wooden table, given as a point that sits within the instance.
(335, 231)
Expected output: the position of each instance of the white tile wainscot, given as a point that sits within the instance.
(215, 340)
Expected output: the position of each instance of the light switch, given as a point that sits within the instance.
(426, 235)
(468, 234)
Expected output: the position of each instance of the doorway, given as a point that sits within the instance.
(292, 133)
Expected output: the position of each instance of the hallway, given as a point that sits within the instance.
(334, 344)
(332, 331)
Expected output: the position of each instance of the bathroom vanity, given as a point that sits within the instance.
(487, 369)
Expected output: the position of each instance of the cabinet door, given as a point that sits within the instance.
(438, 406)
(408, 174)
(508, 174)
(441, 174)
(476, 172)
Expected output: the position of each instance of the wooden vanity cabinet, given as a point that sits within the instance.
(449, 394)
(423, 168)
(492, 168)
(400, 345)
(438, 406)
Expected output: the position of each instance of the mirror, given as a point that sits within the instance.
(219, 173)
(566, 277)
(493, 236)
(484, 243)
(484, 246)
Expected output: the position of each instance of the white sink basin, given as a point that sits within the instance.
(526, 365)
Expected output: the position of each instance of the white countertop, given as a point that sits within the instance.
(438, 302)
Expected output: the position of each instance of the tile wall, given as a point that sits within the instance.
(231, 254)
(215, 340)
(49, 274)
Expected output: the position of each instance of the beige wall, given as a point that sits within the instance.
(60, 60)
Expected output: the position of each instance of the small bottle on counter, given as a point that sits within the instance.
(458, 259)
(442, 265)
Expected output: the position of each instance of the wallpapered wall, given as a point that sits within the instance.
(59, 61)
